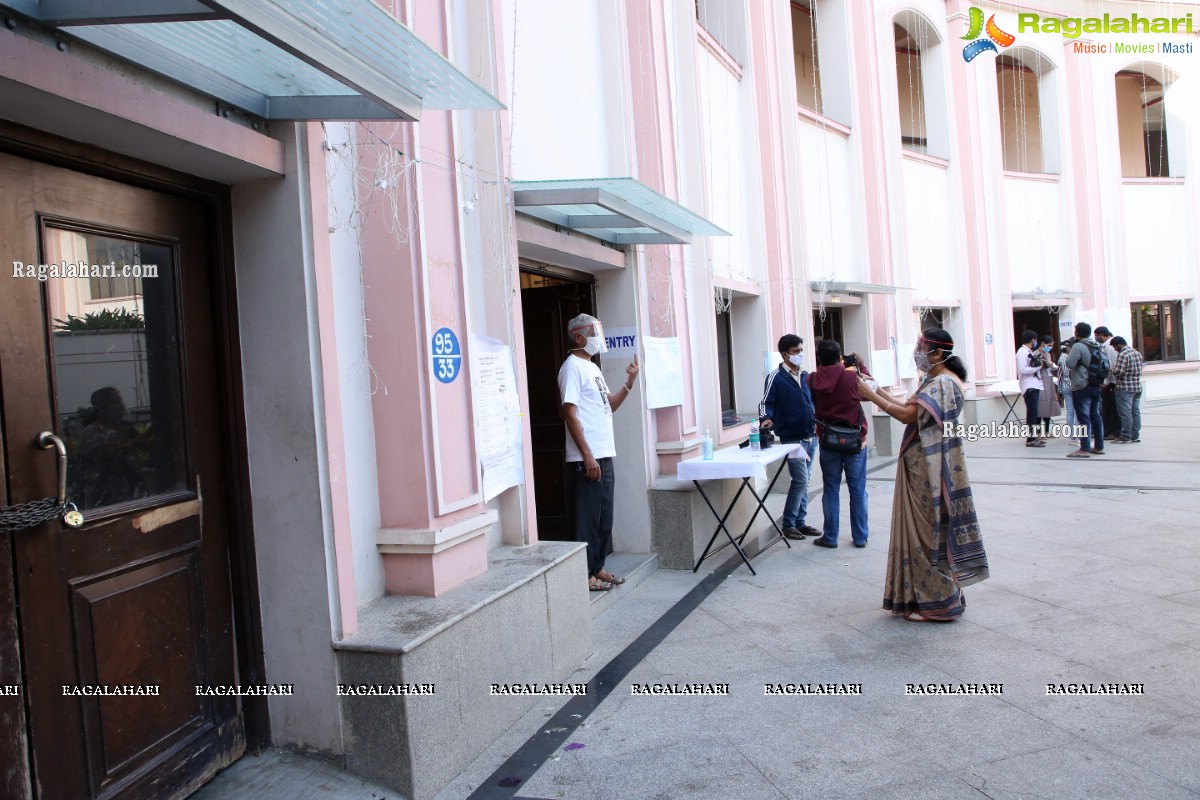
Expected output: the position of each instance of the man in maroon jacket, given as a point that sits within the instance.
(835, 397)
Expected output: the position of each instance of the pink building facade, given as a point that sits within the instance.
(378, 285)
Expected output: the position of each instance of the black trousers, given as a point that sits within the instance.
(592, 516)
(1109, 412)
(1031, 412)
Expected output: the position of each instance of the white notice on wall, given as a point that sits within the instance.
(883, 367)
(904, 357)
(662, 369)
(498, 440)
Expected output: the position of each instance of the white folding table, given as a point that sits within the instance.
(744, 463)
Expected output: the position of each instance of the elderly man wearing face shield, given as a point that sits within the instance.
(587, 409)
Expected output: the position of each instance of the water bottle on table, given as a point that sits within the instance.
(755, 437)
(707, 447)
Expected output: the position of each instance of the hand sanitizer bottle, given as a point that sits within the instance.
(707, 447)
(755, 441)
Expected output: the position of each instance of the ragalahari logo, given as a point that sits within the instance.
(975, 28)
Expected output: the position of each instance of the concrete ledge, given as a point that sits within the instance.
(526, 620)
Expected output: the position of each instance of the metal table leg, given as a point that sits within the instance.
(721, 525)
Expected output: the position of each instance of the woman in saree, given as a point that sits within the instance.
(936, 547)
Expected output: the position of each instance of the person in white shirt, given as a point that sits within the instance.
(587, 408)
(1029, 368)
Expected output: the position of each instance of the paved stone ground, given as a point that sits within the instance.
(1088, 586)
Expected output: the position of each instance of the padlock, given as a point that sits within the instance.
(74, 517)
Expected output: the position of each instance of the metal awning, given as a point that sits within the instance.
(620, 211)
(275, 59)
(842, 287)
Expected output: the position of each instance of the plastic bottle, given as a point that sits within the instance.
(707, 447)
(755, 440)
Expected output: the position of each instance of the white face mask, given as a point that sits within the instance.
(595, 344)
(797, 361)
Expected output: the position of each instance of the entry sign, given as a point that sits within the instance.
(447, 356)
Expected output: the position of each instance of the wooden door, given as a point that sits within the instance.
(546, 310)
(121, 365)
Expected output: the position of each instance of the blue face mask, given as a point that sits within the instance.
(1046, 348)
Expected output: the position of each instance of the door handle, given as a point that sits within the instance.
(35, 512)
(46, 440)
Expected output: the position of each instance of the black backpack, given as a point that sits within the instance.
(1098, 366)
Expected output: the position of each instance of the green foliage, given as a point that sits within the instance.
(119, 319)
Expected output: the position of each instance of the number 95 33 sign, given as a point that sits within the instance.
(447, 356)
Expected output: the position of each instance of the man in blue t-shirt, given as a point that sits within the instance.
(787, 408)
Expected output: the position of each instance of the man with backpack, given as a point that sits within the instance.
(1089, 368)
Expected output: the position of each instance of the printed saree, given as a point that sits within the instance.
(936, 547)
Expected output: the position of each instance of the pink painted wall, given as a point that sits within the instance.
(871, 152)
(655, 159)
(977, 308)
(765, 18)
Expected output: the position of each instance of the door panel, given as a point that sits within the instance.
(124, 370)
(545, 310)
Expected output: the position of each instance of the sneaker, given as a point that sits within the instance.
(1135, 440)
(1096, 452)
(792, 532)
(1035, 443)
(1080, 454)
(860, 544)
(1122, 440)
(823, 542)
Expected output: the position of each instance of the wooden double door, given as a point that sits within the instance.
(107, 630)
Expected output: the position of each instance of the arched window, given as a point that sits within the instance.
(920, 85)
(1144, 122)
(1026, 93)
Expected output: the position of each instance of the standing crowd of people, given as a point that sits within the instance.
(1097, 380)
(935, 546)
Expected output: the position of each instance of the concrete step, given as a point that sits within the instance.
(634, 567)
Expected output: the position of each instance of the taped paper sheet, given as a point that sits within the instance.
(883, 367)
(663, 372)
(907, 367)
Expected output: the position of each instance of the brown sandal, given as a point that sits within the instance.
(615, 580)
(597, 585)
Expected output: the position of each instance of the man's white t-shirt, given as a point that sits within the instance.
(581, 384)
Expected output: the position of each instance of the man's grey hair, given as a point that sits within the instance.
(579, 323)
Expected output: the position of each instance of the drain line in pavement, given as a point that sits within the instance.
(521, 765)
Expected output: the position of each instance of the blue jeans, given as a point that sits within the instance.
(855, 465)
(1087, 412)
(1068, 405)
(795, 508)
(1129, 407)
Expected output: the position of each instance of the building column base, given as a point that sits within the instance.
(428, 562)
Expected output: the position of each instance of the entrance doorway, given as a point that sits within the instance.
(122, 366)
(830, 327)
(548, 302)
(1039, 320)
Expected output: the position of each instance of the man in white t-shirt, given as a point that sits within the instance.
(587, 408)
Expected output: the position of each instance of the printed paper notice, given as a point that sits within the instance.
(663, 372)
(497, 416)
